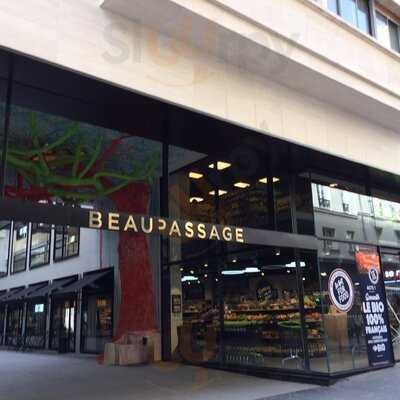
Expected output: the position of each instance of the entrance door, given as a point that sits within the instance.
(63, 318)
(390, 259)
(15, 317)
(97, 322)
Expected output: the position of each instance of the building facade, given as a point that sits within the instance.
(221, 172)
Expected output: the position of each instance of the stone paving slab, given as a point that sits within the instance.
(379, 385)
(34, 376)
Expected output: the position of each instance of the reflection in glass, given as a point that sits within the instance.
(19, 247)
(66, 242)
(40, 245)
(35, 328)
(5, 228)
(391, 271)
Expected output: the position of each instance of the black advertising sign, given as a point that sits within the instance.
(374, 308)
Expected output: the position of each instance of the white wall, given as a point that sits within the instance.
(88, 260)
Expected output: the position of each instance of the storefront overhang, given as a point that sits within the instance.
(88, 280)
(51, 288)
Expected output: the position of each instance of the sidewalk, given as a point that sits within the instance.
(33, 376)
(380, 385)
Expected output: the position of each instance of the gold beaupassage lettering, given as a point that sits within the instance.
(130, 224)
(239, 235)
(189, 233)
(227, 233)
(148, 229)
(174, 230)
(148, 225)
(95, 220)
(113, 222)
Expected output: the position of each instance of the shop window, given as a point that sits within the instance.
(5, 228)
(387, 32)
(35, 328)
(329, 245)
(19, 247)
(40, 245)
(66, 242)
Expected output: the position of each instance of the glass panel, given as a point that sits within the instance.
(314, 310)
(345, 336)
(14, 326)
(35, 329)
(5, 228)
(19, 247)
(363, 21)
(391, 270)
(333, 6)
(382, 29)
(262, 317)
(394, 36)
(196, 311)
(40, 245)
(2, 323)
(62, 335)
(348, 11)
(97, 323)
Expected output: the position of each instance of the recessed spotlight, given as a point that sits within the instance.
(205, 276)
(265, 180)
(195, 175)
(242, 185)
(196, 200)
(262, 274)
(333, 185)
(234, 260)
(220, 165)
(206, 265)
(324, 274)
(220, 192)
(192, 272)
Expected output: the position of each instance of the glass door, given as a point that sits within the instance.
(97, 322)
(63, 318)
(14, 325)
(390, 259)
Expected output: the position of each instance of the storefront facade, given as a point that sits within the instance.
(244, 251)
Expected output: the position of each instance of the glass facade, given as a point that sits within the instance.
(311, 225)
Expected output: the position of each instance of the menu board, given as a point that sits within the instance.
(374, 308)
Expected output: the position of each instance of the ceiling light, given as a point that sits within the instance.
(234, 260)
(220, 192)
(233, 272)
(206, 265)
(333, 185)
(324, 274)
(220, 165)
(196, 200)
(251, 270)
(265, 180)
(195, 175)
(241, 185)
(189, 278)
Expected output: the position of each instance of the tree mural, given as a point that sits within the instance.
(69, 166)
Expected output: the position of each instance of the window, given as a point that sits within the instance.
(40, 245)
(66, 242)
(324, 196)
(345, 202)
(19, 247)
(329, 245)
(5, 228)
(387, 32)
(350, 235)
(355, 12)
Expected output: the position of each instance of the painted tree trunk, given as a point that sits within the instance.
(137, 310)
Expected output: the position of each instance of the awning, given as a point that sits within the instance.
(25, 293)
(49, 289)
(11, 293)
(87, 280)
